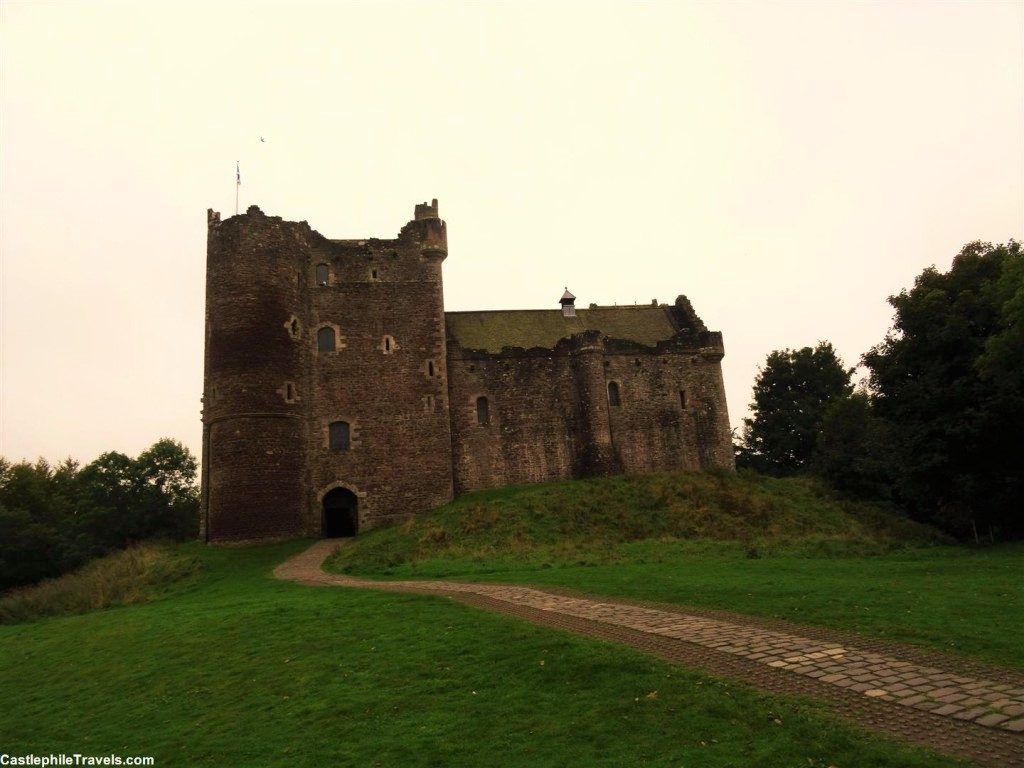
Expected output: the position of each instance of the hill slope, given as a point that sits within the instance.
(785, 549)
(584, 520)
(133, 575)
(243, 670)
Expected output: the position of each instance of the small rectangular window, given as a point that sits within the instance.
(339, 436)
(682, 398)
(323, 274)
(325, 340)
(483, 411)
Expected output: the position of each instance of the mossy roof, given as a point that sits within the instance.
(493, 330)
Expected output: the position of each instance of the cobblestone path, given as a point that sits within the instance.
(953, 705)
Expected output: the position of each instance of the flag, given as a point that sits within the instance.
(238, 174)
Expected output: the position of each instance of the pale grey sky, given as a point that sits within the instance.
(786, 166)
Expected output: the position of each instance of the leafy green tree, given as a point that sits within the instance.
(949, 379)
(36, 521)
(853, 449)
(791, 394)
(124, 500)
(29, 550)
(109, 503)
(54, 519)
(168, 471)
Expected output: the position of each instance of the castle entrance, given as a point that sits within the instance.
(340, 515)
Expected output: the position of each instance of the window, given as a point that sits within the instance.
(373, 274)
(682, 398)
(338, 438)
(325, 340)
(430, 368)
(613, 394)
(289, 392)
(483, 413)
(388, 345)
(323, 274)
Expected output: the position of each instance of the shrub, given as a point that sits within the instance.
(133, 575)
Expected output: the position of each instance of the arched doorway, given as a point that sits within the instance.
(340, 514)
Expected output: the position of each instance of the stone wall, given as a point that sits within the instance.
(254, 441)
(270, 393)
(551, 419)
(533, 406)
(408, 389)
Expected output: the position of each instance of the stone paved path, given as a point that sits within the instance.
(952, 705)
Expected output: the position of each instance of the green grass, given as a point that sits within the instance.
(133, 575)
(776, 548)
(587, 520)
(238, 669)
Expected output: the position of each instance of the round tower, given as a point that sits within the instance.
(596, 455)
(253, 404)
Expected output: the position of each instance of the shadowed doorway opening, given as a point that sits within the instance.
(340, 515)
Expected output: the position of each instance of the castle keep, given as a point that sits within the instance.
(339, 394)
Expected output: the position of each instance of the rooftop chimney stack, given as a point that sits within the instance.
(568, 302)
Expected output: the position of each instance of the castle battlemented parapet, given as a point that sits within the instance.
(339, 394)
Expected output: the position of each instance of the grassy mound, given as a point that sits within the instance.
(585, 521)
(134, 575)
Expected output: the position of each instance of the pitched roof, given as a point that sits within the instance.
(492, 330)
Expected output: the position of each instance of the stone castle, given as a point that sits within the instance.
(339, 394)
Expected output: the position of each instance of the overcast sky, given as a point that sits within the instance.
(786, 166)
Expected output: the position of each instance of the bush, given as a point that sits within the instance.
(133, 575)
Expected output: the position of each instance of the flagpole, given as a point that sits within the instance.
(238, 184)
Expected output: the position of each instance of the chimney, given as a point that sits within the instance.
(568, 302)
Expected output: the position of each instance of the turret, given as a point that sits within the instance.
(596, 454)
(429, 229)
(426, 210)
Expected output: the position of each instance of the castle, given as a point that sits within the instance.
(339, 394)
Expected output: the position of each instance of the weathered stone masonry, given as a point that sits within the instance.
(303, 333)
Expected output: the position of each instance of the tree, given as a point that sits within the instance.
(110, 502)
(36, 521)
(853, 450)
(168, 472)
(791, 394)
(124, 500)
(948, 379)
(53, 519)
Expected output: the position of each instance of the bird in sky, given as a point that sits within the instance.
(263, 140)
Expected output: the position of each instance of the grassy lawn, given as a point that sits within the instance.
(948, 598)
(232, 668)
(778, 548)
